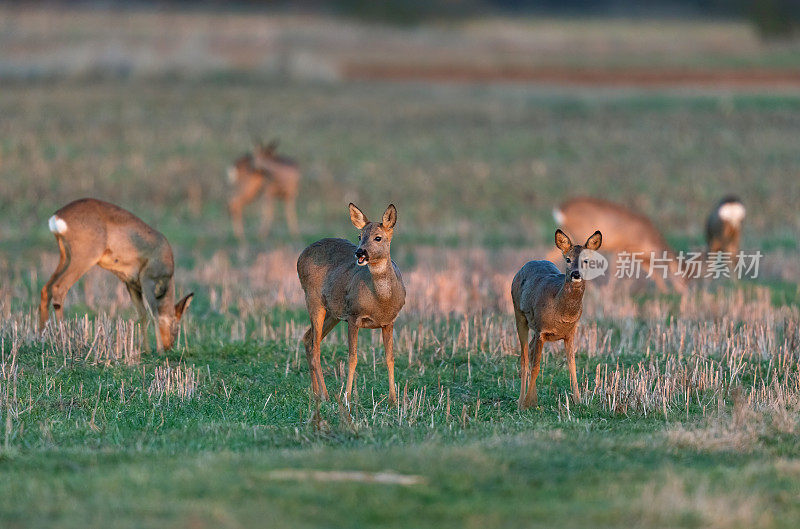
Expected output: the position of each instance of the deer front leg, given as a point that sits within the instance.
(151, 307)
(522, 334)
(536, 345)
(78, 261)
(143, 321)
(308, 342)
(44, 307)
(388, 344)
(352, 358)
(569, 346)
(47, 290)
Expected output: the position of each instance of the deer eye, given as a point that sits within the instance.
(568, 259)
(378, 238)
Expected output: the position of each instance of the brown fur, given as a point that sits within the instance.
(550, 304)
(338, 289)
(274, 176)
(624, 230)
(102, 234)
(723, 235)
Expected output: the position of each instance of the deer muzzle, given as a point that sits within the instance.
(362, 257)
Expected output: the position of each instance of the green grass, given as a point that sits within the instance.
(84, 454)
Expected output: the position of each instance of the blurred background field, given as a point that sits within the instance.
(475, 126)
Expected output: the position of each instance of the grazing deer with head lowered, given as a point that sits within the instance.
(92, 232)
(264, 172)
(724, 226)
(550, 304)
(623, 230)
(357, 284)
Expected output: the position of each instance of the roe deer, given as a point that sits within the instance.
(724, 226)
(623, 230)
(92, 232)
(357, 284)
(276, 176)
(550, 304)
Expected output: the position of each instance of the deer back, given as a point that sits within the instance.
(282, 173)
(624, 230)
(123, 242)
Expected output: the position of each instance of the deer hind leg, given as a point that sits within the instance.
(327, 326)
(321, 325)
(290, 210)
(522, 334)
(569, 346)
(352, 358)
(79, 261)
(308, 343)
(47, 290)
(536, 345)
(388, 344)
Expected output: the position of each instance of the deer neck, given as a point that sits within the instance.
(570, 299)
(383, 278)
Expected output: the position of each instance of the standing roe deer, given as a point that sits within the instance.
(550, 304)
(724, 226)
(623, 230)
(92, 232)
(360, 285)
(278, 177)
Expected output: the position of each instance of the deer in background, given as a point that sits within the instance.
(357, 284)
(623, 230)
(265, 172)
(724, 226)
(92, 232)
(550, 304)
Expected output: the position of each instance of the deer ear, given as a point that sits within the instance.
(182, 305)
(562, 241)
(357, 217)
(390, 217)
(594, 242)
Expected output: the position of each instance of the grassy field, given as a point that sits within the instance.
(690, 410)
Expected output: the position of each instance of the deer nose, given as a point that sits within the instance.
(575, 274)
(361, 252)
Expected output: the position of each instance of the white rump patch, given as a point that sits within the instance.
(732, 212)
(558, 216)
(57, 225)
(231, 171)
